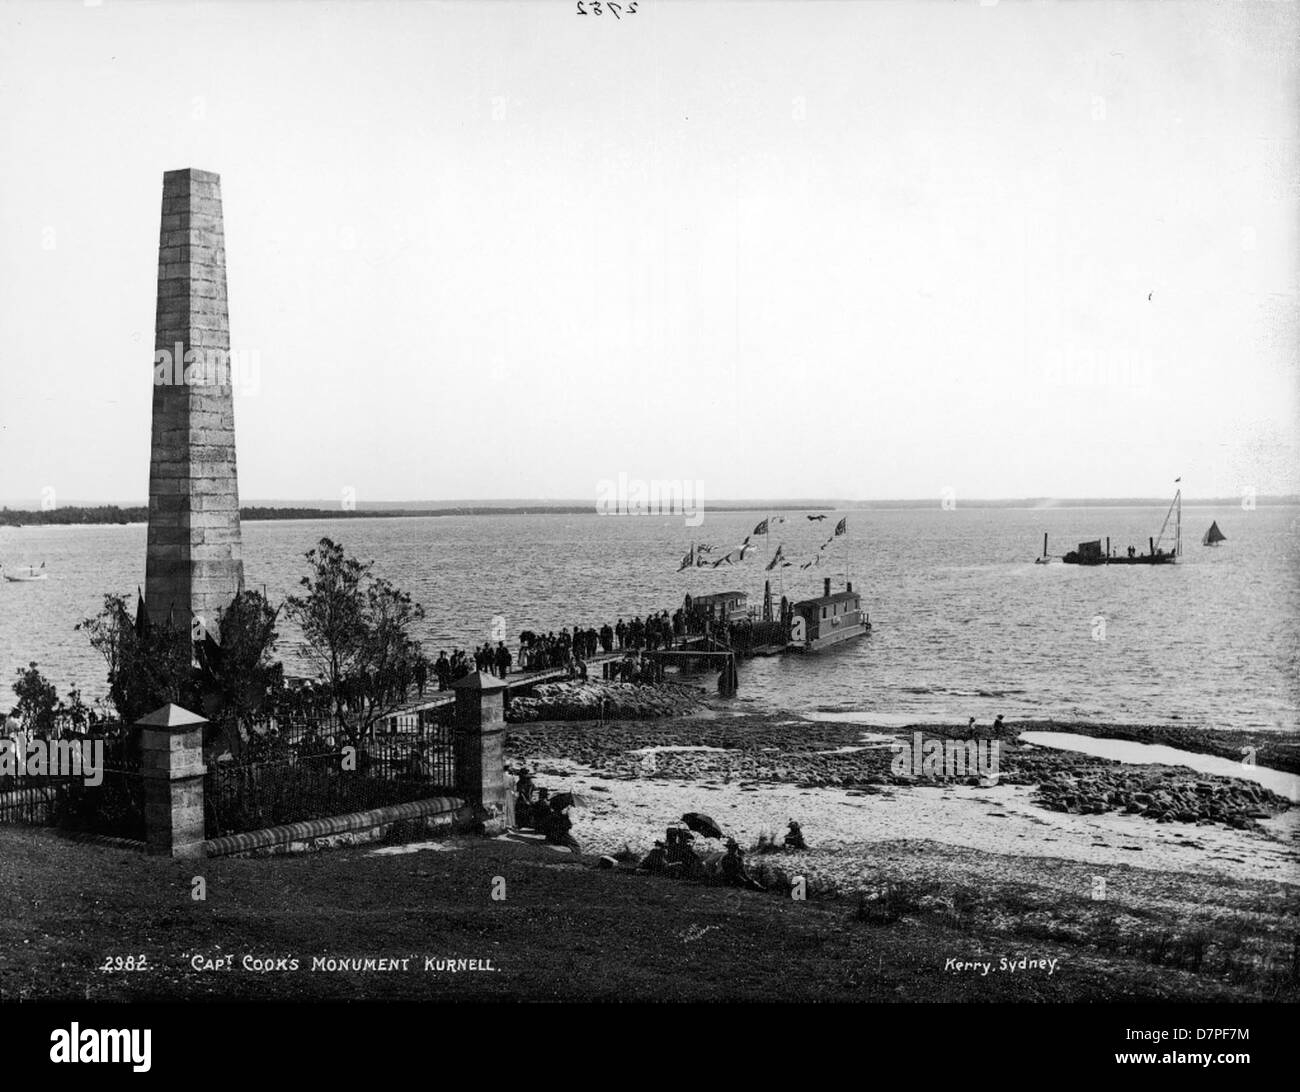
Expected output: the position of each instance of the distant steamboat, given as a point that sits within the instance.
(1092, 553)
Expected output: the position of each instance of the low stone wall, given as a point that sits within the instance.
(355, 828)
(109, 841)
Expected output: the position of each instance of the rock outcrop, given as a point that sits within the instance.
(598, 700)
(1165, 794)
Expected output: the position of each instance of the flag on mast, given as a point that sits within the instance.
(777, 557)
(842, 527)
(761, 529)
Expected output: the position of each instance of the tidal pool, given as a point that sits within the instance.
(1148, 754)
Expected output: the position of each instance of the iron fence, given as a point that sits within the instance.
(113, 804)
(310, 769)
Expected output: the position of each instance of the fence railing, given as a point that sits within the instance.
(114, 806)
(291, 772)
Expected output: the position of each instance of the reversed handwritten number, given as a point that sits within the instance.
(597, 7)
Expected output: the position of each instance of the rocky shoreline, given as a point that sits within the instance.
(1165, 794)
(597, 700)
(772, 749)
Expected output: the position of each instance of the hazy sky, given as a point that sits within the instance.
(784, 249)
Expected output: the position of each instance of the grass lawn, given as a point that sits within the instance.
(564, 931)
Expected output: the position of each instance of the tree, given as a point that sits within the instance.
(74, 712)
(238, 679)
(38, 702)
(357, 631)
(148, 665)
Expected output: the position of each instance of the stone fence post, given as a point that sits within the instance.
(480, 748)
(171, 765)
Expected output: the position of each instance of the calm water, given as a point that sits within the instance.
(965, 625)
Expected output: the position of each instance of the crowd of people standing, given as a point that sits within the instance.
(571, 648)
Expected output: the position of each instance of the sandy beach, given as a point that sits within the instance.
(1222, 895)
(848, 830)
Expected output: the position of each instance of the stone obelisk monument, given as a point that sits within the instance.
(194, 566)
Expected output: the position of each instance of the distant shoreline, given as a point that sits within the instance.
(111, 514)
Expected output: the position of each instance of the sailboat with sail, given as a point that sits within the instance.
(1213, 536)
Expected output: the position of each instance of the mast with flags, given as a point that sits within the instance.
(842, 528)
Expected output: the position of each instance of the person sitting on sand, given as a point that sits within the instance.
(681, 852)
(733, 869)
(656, 860)
(794, 837)
(558, 826)
(997, 723)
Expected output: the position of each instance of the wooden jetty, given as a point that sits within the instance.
(805, 626)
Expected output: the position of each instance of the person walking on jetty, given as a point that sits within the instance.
(503, 659)
(442, 670)
(421, 675)
(620, 631)
(607, 638)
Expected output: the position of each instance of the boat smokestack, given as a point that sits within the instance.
(849, 585)
(827, 586)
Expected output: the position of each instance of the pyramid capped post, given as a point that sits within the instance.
(170, 716)
(194, 562)
(479, 680)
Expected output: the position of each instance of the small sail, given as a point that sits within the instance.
(1213, 536)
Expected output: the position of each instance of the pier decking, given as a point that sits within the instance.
(690, 647)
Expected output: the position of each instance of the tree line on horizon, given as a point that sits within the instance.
(118, 514)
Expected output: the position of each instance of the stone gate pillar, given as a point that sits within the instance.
(171, 766)
(480, 747)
